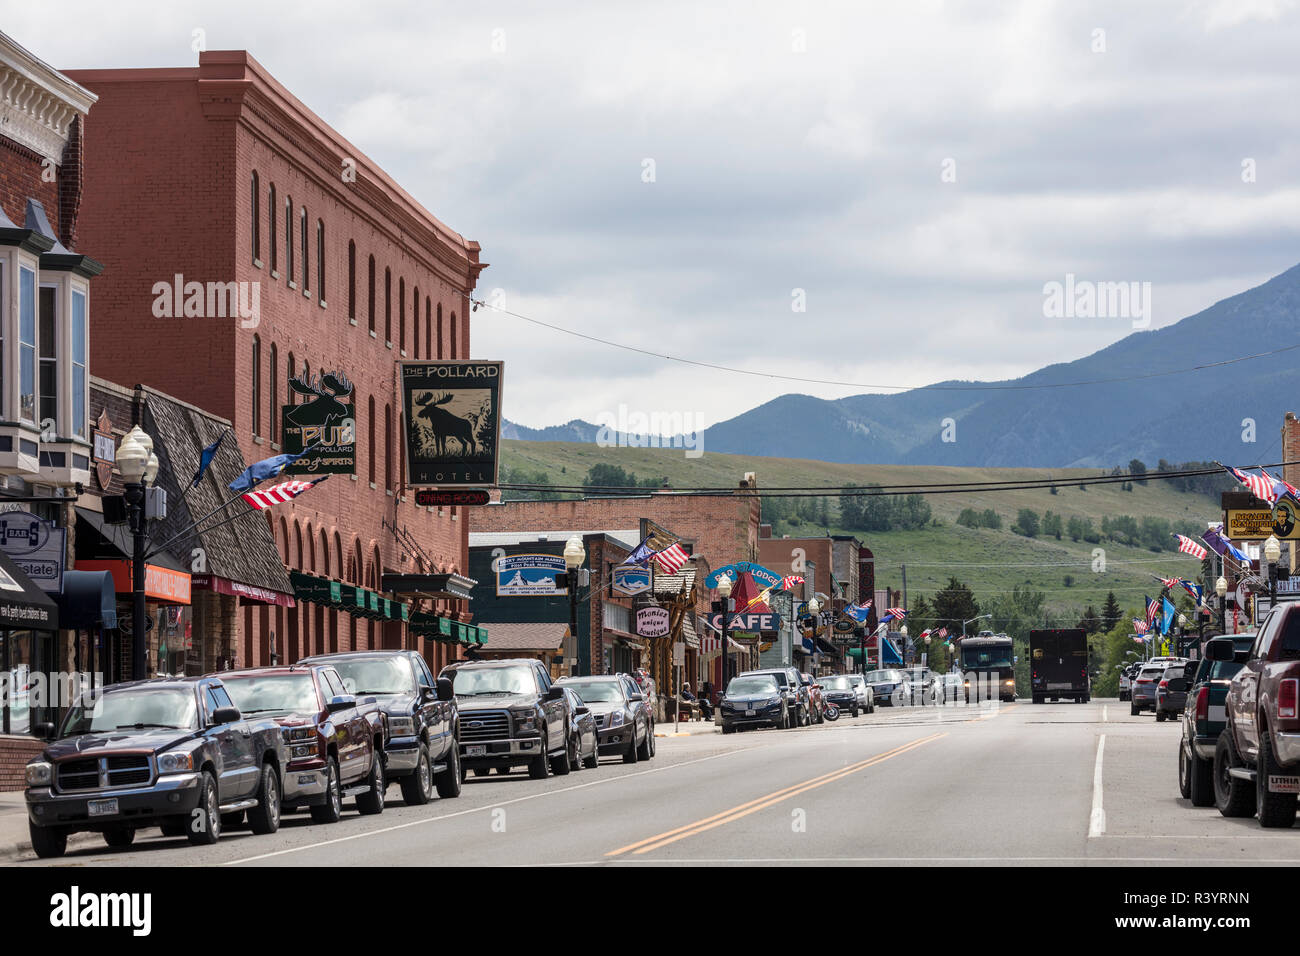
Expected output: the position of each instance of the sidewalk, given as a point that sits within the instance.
(14, 841)
(687, 728)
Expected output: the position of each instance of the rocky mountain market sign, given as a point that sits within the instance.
(531, 575)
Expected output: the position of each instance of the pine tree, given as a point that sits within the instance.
(1110, 613)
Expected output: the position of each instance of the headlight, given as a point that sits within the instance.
(616, 719)
(293, 735)
(303, 750)
(175, 762)
(525, 720)
(401, 726)
(39, 774)
(771, 701)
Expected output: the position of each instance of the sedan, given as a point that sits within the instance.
(1171, 692)
(866, 700)
(1144, 689)
(621, 722)
(584, 739)
(889, 687)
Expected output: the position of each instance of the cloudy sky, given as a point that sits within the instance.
(919, 169)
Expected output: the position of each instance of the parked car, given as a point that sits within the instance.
(754, 700)
(167, 752)
(423, 719)
(815, 702)
(620, 718)
(841, 692)
(1257, 758)
(889, 686)
(336, 745)
(798, 706)
(1126, 681)
(866, 699)
(951, 687)
(1204, 717)
(646, 688)
(1171, 693)
(583, 735)
(1144, 689)
(511, 715)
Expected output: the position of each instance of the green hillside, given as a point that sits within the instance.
(991, 562)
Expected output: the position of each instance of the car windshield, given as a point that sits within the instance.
(749, 686)
(376, 675)
(597, 691)
(282, 693)
(836, 683)
(880, 677)
(139, 708)
(479, 681)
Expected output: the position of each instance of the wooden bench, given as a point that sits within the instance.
(689, 710)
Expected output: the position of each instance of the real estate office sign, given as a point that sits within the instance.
(451, 416)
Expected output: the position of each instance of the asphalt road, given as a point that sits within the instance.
(1017, 784)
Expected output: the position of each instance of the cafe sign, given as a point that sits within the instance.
(753, 623)
(1257, 524)
(652, 622)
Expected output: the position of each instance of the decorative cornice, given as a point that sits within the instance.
(38, 104)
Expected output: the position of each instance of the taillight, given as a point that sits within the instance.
(1286, 697)
(1203, 703)
(1164, 684)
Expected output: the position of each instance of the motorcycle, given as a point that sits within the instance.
(830, 711)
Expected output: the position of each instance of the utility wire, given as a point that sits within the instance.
(901, 388)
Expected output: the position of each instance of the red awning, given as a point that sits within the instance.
(247, 592)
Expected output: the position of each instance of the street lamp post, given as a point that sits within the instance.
(574, 555)
(1221, 589)
(814, 609)
(1182, 631)
(137, 464)
(1272, 554)
(724, 591)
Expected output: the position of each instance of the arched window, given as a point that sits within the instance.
(274, 419)
(428, 328)
(324, 553)
(352, 279)
(297, 537)
(288, 386)
(388, 447)
(320, 260)
(440, 353)
(288, 237)
(415, 323)
(454, 353)
(388, 305)
(311, 550)
(257, 385)
(371, 432)
(401, 314)
(257, 218)
(271, 208)
(306, 257)
(284, 537)
(371, 298)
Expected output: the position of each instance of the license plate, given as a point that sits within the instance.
(1278, 784)
(102, 808)
(1059, 686)
(749, 713)
(476, 750)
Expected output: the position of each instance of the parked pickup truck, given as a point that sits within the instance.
(336, 744)
(166, 752)
(423, 721)
(1257, 759)
(1205, 715)
(511, 714)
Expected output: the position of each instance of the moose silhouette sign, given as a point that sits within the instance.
(452, 421)
(323, 424)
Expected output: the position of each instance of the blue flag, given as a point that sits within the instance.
(1167, 619)
(205, 459)
(259, 471)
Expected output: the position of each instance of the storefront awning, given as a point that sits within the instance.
(88, 601)
(435, 627)
(439, 586)
(22, 604)
(245, 592)
(161, 585)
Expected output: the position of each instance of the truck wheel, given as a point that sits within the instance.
(1184, 773)
(48, 841)
(1160, 716)
(1201, 778)
(204, 826)
(539, 768)
(448, 782)
(1233, 797)
(1037, 698)
(119, 837)
(417, 788)
(372, 801)
(560, 765)
(173, 827)
(1275, 809)
(265, 817)
(1133, 710)
(332, 808)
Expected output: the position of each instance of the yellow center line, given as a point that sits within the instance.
(744, 809)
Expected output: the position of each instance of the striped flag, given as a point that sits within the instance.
(1140, 625)
(1153, 608)
(1187, 546)
(790, 582)
(1257, 485)
(943, 632)
(893, 614)
(671, 558)
(1168, 582)
(278, 494)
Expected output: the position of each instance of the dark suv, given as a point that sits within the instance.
(167, 752)
(511, 715)
(423, 719)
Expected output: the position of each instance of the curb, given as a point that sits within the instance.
(11, 852)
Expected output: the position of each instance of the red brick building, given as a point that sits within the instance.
(247, 244)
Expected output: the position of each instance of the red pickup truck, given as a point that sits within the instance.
(1257, 757)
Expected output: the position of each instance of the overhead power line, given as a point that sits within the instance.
(876, 385)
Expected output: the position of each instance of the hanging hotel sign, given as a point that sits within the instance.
(759, 573)
(325, 425)
(531, 575)
(1256, 524)
(451, 419)
(652, 622)
(630, 579)
(105, 449)
(36, 547)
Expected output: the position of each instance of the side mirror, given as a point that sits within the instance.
(637, 697)
(555, 693)
(226, 715)
(444, 690)
(44, 730)
(342, 702)
(1220, 649)
(582, 710)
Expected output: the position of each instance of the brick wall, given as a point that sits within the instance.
(20, 179)
(14, 754)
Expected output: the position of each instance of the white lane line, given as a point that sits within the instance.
(1097, 822)
(482, 809)
(1105, 713)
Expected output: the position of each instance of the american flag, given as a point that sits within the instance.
(1169, 582)
(1139, 625)
(893, 614)
(671, 558)
(943, 632)
(278, 494)
(1188, 546)
(1153, 608)
(790, 581)
(1257, 485)
(1283, 488)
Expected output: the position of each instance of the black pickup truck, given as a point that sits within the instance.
(174, 753)
(423, 749)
